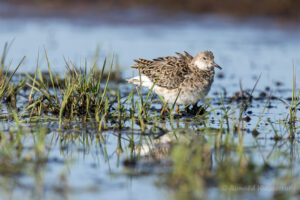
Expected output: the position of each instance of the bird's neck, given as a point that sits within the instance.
(198, 71)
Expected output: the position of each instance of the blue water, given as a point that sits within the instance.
(244, 50)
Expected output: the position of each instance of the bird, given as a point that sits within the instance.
(183, 80)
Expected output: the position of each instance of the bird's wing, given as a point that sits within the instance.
(168, 72)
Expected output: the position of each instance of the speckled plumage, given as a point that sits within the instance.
(167, 72)
(189, 76)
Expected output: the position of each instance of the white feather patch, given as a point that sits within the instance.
(141, 81)
(200, 65)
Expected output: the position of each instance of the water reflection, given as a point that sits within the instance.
(189, 157)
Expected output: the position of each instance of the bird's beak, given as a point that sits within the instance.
(216, 65)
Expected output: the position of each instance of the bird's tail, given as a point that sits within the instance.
(142, 80)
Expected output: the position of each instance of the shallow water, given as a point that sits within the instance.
(243, 49)
(83, 167)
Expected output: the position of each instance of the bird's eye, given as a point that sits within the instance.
(204, 58)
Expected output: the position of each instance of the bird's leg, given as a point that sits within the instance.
(195, 108)
(163, 108)
(202, 109)
(177, 110)
(187, 110)
(198, 110)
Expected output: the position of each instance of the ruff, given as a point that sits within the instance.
(184, 79)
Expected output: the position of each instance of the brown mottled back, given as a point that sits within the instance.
(168, 72)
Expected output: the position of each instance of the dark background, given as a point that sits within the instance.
(287, 9)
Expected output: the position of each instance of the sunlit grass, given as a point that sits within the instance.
(204, 149)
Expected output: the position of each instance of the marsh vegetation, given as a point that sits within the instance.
(51, 122)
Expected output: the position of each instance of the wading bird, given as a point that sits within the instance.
(182, 80)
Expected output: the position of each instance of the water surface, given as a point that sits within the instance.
(81, 167)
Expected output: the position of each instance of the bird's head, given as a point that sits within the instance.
(205, 61)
